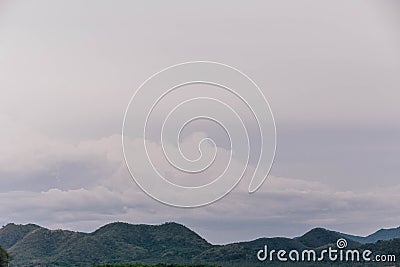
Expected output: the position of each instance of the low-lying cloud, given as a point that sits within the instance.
(102, 191)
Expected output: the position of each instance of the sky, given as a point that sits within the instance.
(329, 69)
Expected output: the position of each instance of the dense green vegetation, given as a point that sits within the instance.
(113, 243)
(4, 257)
(170, 243)
(154, 265)
(244, 264)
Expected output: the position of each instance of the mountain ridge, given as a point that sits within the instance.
(118, 242)
(383, 234)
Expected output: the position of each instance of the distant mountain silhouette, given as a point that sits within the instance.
(319, 237)
(32, 245)
(382, 234)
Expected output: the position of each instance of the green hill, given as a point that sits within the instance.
(169, 243)
(12, 233)
(320, 237)
(112, 243)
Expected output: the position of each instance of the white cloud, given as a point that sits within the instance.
(281, 201)
(90, 185)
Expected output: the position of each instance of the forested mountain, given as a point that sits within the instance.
(169, 243)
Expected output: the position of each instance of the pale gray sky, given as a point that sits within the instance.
(330, 71)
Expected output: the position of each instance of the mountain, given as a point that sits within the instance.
(382, 234)
(32, 245)
(319, 238)
(12, 233)
(117, 242)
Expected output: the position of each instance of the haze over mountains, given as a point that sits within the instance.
(32, 245)
(382, 234)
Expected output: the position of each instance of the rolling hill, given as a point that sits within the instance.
(116, 242)
(32, 245)
(319, 237)
(382, 234)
